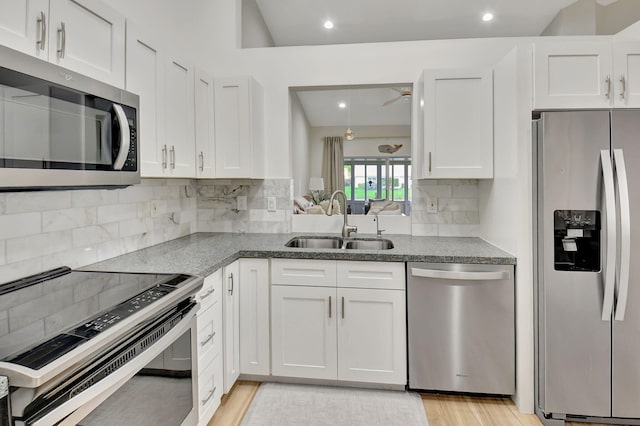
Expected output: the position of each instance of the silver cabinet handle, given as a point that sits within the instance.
(608, 81)
(625, 234)
(164, 156)
(207, 339)
(231, 284)
(623, 83)
(459, 275)
(207, 294)
(342, 307)
(209, 395)
(201, 156)
(172, 151)
(429, 161)
(610, 206)
(329, 306)
(43, 30)
(62, 32)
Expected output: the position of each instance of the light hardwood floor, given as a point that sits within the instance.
(442, 410)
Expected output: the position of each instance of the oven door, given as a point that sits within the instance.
(153, 387)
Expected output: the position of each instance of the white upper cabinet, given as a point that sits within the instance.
(626, 68)
(239, 138)
(179, 122)
(145, 77)
(23, 26)
(586, 75)
(86, 36)
(457, 123)
(205, 138)
(89, 37)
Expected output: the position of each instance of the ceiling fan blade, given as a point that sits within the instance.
(390, 101)
(397, 90)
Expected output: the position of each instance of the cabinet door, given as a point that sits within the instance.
(458, 123)
(626, 66)
(23, 25)
(205, 148)
(572, 75)
(372, 336)
(180, 138)
(254, 321)
(145, 77)
(231, 320)
(233, 132)
(88, 36)
(303, 324)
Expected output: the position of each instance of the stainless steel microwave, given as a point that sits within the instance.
(60, 129)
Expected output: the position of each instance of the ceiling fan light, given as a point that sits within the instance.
(349, 135)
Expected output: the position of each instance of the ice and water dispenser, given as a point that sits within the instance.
(576, 240)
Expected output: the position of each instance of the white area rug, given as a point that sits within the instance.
(283, 404)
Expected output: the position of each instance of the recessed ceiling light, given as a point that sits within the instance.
(328, 24)
(342, 105)
(488, 16)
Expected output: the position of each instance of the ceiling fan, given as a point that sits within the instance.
(404, 93)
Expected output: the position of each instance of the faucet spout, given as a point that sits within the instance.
(346, 228)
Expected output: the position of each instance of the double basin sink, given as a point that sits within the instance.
(356, 243)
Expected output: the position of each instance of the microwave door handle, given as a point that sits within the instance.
(125, 141)
(625, 234)
(610, 210)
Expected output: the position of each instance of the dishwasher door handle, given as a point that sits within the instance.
(460, 275)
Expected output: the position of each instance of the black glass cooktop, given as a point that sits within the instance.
(44, 316)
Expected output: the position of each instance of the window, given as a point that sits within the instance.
(366, 179)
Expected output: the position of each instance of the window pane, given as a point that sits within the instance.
(399, 191)
(360, 178)
(409, 182)
(347, 181)
(372, 182)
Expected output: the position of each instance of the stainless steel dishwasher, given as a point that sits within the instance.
(461, 329)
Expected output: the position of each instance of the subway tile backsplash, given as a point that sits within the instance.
(457, 212)
(45, 229)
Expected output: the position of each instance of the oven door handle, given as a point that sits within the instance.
(125, 139)
(72, 411)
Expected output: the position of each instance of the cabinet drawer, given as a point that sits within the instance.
(321, 273)
(209, 389)
(209, 334)
(211, 290)
(382, 275)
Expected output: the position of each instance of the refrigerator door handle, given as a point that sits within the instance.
(625, 234)
(610, 209)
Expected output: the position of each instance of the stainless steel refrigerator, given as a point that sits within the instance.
(588, 265)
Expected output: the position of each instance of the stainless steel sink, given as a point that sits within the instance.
(368, 244)
(315, 242)
(327, 242)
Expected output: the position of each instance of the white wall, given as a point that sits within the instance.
(505, 201)
(364, 145)
(254, 30)
(617, 16)
(576, 19)
(300, 147)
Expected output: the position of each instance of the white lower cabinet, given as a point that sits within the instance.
(254, 317)
(337, 332)
(372, 336)
(231, 322)
(209, 347)
(304, 332)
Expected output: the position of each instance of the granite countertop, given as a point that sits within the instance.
(203, 253)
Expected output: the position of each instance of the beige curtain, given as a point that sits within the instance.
(333, 165)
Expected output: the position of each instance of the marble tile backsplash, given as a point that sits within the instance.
(46, 229)
(218, 205)
(457, 212)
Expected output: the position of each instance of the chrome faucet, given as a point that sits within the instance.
(346, 228)
(379, 231)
